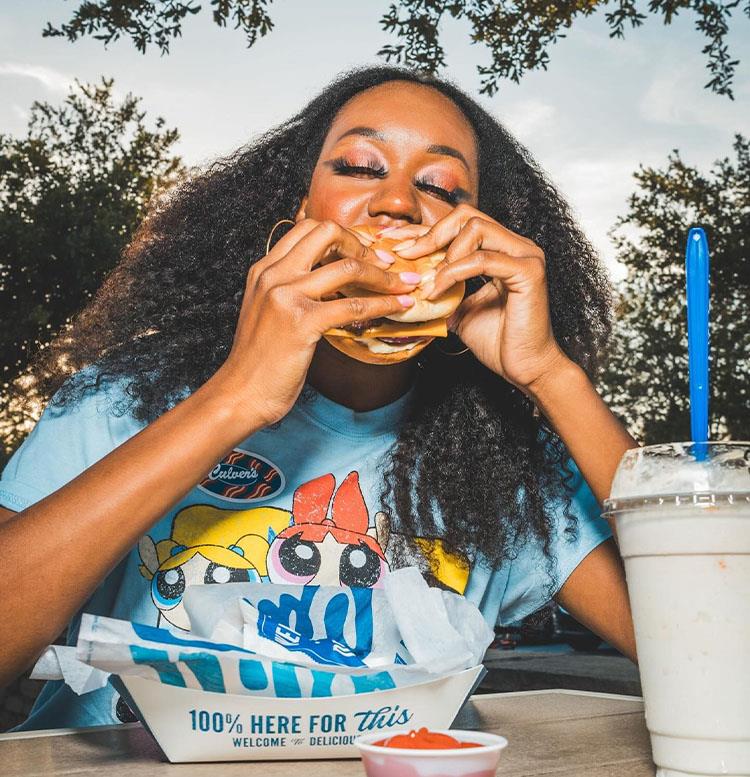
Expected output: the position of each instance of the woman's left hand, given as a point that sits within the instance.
(506, 323)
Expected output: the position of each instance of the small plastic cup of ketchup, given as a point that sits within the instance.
(424, 753)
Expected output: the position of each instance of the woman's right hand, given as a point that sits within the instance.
(291, 300)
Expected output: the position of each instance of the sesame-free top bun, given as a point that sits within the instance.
(423, 309)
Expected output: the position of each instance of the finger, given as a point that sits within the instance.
(441, 233)
(347, 310)
(513, 272)
(332, 277)
(478, 234)
(464, 230)
(402, 233)
(328, 242)
(363, 237)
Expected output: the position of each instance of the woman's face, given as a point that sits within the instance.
(396, 154)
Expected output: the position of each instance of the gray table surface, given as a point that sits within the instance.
(560, 732)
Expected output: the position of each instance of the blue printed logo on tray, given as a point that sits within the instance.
(323, 651)
(244, 477)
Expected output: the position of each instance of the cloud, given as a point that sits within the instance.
(597, 189)
(666, 100)
(20, 112)
(49, 78)
(528, 118)
(591, 178)
(663, 101)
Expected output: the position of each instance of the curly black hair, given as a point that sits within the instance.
(473, 464)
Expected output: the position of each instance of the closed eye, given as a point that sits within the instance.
(341, 167)
(449, 196)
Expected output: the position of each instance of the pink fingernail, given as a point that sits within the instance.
(384, 256)
(406, 300)
(387, 229)
(410, 277)
(405, 244)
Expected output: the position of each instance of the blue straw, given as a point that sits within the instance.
(696, 268)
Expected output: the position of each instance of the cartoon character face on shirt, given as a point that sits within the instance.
(340, 550)
(208, 546)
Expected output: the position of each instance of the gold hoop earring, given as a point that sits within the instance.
(273, 229)
(476, 283)
(450, 353)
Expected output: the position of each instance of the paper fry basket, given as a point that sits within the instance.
(194, 725)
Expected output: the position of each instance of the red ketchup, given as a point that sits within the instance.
(424, 740)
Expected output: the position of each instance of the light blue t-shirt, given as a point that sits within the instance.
(295, 502)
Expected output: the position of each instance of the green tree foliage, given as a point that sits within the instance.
(517, 33)
(158, 22)
(71, 193)
(647, 377)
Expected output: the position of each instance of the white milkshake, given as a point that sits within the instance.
(683, 528)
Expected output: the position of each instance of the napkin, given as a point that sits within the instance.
(59, 662)
(288, 641)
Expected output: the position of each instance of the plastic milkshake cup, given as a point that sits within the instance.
(682, 513)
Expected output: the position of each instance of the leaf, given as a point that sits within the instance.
(72, 191)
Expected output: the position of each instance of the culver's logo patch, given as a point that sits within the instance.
(243, 476)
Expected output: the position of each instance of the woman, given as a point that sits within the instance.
(484, 467)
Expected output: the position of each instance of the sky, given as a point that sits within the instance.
(602, 108)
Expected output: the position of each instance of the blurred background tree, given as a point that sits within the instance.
(647, 374)
(73, 190)
(71, 193)
(517, 33)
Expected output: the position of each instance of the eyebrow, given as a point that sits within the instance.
(370, 132)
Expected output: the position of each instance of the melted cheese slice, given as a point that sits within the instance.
(435, 328)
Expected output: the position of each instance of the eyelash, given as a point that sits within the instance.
(342, 167)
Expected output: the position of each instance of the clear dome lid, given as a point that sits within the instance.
(695, 472)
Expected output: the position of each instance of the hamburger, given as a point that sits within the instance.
(401, 335)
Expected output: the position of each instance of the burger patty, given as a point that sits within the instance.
(358, 327)
(400, 340)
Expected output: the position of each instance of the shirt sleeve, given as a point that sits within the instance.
(65, 441)
(529, 585)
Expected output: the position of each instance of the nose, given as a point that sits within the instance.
(396, 198)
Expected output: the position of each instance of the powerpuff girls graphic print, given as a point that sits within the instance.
(296, 502)
(325, 539)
